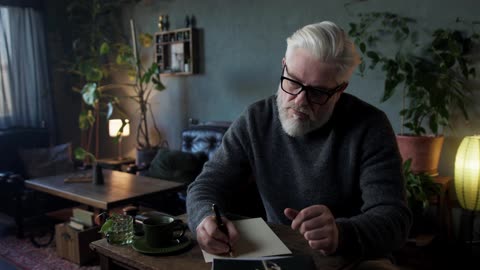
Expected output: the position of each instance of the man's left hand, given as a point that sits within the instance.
(317, 224)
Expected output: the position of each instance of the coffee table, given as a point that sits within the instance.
(119, 188)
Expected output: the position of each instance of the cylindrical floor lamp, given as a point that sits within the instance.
(467, 177)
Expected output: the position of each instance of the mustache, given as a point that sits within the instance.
(302, 109)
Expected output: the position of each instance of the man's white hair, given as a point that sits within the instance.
(328, 43)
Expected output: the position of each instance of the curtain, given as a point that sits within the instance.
(25, 94)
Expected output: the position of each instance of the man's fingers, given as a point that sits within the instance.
(317, 234)
(211, 228)
(325, 246)
(323, 221)
(308, 213)
(233, 233)
(290, 213)
(209, 243)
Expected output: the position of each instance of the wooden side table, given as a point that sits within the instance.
(442, 216)
(115, 164)
(444, 208)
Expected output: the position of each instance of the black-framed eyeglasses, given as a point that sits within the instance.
(314, 95)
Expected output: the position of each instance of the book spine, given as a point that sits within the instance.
(76, 225)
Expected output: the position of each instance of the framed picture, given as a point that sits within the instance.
(177, 57)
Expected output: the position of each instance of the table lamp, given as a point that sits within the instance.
(115, 130)
(467, 176)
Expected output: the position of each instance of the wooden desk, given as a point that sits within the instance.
(119, 189)
(111, 256)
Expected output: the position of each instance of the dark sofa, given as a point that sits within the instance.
(15, 200)
(12, 170)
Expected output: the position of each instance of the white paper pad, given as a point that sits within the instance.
(256, 240)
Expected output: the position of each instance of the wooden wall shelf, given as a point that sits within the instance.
(176, 52)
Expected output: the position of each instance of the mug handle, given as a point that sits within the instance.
(178, 227)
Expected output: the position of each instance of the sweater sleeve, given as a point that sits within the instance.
(384, 222)
(221, 175)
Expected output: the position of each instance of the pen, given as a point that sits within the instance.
(221, 226)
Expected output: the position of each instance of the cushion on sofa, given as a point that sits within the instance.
(176, 165)
(40, 162)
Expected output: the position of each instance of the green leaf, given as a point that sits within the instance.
(104, 48)
(158, 84)
(107, 226)
(86, 120)
(407, 164)
(146, 40)
(81, 154)
(119, 60)
(94, 74)
(389, 89)
(361, 67)
(373, 55)
(90, 93)
(363, 47)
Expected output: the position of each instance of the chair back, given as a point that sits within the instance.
(203, 139)
(13, 139)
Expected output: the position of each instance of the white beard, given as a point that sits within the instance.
(295, 127)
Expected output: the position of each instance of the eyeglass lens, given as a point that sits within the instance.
(295, 88)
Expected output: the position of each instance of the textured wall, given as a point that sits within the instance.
(241, 47)
(243, 42)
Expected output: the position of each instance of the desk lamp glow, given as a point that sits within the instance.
(467, 176)
(115, 130)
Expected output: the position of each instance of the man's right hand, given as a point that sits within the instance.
(212, 240)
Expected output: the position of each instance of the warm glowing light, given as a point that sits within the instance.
(114, 126)
(467, 173)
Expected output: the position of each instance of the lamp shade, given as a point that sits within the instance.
(467, 173)
(114, 126)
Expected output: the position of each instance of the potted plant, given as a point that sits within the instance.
(97, 57)
(88, 62)
(433, 76)
(146, 80)
(420, 187)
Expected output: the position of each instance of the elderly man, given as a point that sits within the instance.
(324, 161)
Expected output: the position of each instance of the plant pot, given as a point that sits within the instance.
(145, 155)
(423, 150)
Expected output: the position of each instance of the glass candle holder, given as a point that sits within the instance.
(121, 232)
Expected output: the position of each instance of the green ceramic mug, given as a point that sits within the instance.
(162, 230)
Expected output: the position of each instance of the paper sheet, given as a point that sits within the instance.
(256, 240)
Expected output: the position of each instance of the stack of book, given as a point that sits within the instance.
(81, 219)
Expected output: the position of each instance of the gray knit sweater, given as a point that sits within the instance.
(351, 165)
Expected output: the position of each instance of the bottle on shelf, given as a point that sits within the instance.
(160, 23)
(166, 23)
